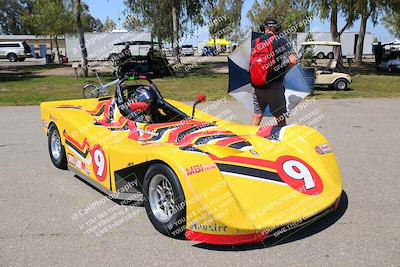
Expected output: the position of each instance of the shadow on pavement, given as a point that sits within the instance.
(136, 203)
(299, 233)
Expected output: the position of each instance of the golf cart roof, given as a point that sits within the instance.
(137, 43)
(326, 43)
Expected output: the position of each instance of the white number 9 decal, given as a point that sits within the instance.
(99, 161)
(298, 171)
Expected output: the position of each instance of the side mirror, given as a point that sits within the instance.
(139, 106)
(199, 99)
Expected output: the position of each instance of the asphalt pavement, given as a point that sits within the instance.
(47, 216)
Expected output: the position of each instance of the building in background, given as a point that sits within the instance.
(40, 45)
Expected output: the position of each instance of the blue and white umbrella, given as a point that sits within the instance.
(239, 79)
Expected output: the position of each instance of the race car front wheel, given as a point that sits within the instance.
(165, 201)
(56, 149)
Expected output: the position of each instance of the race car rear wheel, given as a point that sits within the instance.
(165, 201)
(56, 149)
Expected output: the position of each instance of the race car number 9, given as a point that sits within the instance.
(99, 163)
(299, 175)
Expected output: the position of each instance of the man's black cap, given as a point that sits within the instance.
(269, 22)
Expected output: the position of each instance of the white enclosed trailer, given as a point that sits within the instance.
(347, 39)
(100, 45)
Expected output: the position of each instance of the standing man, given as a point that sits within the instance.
(378, 51)
(272, 55)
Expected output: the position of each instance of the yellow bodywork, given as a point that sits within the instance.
(217, 202)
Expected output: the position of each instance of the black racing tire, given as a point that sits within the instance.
(59, 161)
(340, 84)
(12, 57)
(175, 225)
(330, 55)
(320, 55)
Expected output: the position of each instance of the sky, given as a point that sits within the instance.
(115, 10)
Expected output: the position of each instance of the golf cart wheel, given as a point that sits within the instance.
(340, 84)
(90, 91)
(391, 68)
(320, 55)
(12, 57)
(56, 149)
(164, 201)
(330, 55)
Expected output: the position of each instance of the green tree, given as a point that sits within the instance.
(224, 18)
(132, 23)
(11, 13)
(167, 20)
(366, 9)
(391, 18)
(109, 25)
(77, 11)
(50, 17)
(330, 9)
(288, 12)
(308, 53)
(90, 24)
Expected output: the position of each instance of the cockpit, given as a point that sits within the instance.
(144, 103)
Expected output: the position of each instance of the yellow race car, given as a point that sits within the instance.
(201, 178)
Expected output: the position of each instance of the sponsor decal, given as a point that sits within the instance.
(78, 164)
(142, 131)
(254, 153)
(199, 168)
(323, 149)
(210, 228)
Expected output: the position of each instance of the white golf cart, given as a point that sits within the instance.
(331, 75)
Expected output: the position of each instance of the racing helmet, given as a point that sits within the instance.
(145, 94)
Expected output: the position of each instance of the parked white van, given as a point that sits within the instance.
(15, 51)
(187, 50)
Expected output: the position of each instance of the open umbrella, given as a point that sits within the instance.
(239, 79)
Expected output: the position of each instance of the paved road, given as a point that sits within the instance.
(39, 203)
(27, 62)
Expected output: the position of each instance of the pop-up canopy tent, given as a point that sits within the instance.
(218, 42)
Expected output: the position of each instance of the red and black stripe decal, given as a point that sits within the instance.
(82, 149)
(246, 161)
(257, 173)
(239, 145)
(205, 139)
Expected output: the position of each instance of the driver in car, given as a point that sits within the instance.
(145, 95)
